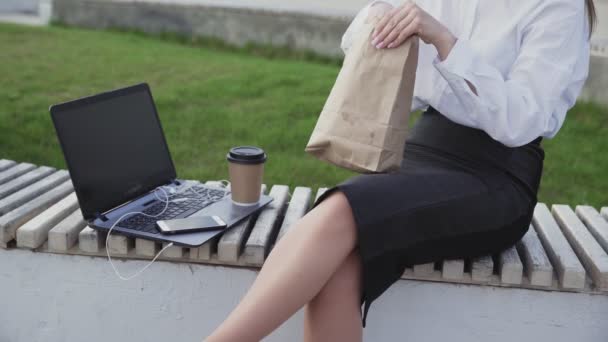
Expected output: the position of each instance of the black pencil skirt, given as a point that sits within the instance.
(459, 194)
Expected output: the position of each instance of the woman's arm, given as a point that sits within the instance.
(403, 21)
(519, 107)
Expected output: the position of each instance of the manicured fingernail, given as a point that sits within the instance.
(380, 46)
(375, 41)
(390, 45)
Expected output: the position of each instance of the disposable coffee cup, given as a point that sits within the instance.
(246, 169)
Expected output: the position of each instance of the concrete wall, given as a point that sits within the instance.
(64, 298)
(596, 87)
(17, 6)
(318, 7)
(235, 25)
(601, 6)
(316, 25)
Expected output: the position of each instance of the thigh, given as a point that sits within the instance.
(376, 197)
(439, 206)
(395, 210)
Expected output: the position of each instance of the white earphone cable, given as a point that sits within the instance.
(167, 200)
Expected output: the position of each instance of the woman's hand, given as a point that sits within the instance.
(398, 24)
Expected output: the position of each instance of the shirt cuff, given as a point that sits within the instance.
(458, 62)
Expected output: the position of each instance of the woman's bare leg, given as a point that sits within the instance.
(296, 270)
(334, 314)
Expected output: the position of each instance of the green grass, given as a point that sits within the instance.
(211, 97)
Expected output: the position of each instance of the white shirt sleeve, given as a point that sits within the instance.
(355, 25)
(518, 108)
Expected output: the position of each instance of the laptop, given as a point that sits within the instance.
(117, 156)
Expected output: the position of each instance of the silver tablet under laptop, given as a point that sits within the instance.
(119, 162)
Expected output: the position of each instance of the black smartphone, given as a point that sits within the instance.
(190, 224)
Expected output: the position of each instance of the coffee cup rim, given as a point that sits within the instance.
(234, 157)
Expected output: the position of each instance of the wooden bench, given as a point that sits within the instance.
(564, 251)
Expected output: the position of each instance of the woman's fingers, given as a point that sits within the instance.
(385, 25)
(392, 22)
(386, 19)
(389, 41)
(405, 34)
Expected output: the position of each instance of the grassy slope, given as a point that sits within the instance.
(210, 100)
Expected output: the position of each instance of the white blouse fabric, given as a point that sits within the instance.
(527, 60)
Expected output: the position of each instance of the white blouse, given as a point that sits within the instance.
(527, 60)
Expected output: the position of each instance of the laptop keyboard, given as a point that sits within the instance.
(203, 197)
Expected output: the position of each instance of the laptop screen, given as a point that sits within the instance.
(114, 147)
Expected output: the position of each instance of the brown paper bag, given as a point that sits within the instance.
(363, 125)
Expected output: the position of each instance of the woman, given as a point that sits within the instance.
(495, 76)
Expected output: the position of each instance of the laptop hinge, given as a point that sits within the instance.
(100, 216)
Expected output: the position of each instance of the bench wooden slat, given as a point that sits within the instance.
(205, 251)
(5, 164)
(604, 213)
(536, 262)
(173, 252)
(482, 268)
(194, 253)
(64, 235)
(298, 206)
(35, 232)
(421, 270)
(320, 192)
(32, 191)
(595, 223)
(14, 219)
(452, 269)
(265, 228)
(91, 240)
(232, 242)
(15, 171)
(570, 271)
(119, 244)
(147, 248)
(510, 266)
(24, 180)
(586, 247)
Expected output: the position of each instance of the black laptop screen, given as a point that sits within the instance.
(114, 147)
